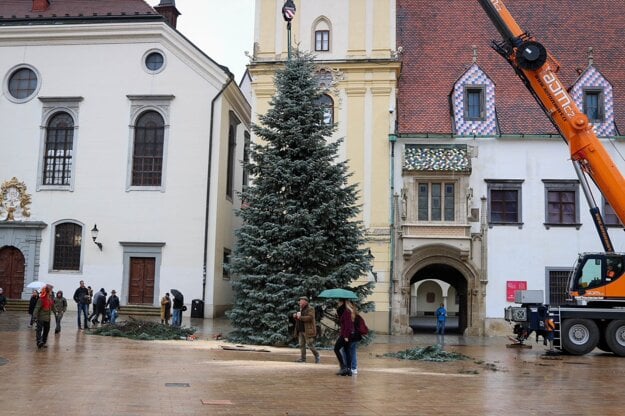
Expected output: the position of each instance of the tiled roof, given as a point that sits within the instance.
(11, 10)
(437, 39)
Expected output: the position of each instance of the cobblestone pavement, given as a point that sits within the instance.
(81, 374)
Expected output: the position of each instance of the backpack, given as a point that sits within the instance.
(361, 326)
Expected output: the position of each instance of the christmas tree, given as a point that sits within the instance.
(299, 234)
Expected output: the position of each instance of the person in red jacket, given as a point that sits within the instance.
(347, 315)
(42, 313)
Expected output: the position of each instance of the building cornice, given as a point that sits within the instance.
(118, 33)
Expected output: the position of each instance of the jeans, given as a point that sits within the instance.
(84, 308)
(43, 328)
(176, 319)
(113, 315)
(440, 327)
(352, 349)
(57, 318)
(345, 356)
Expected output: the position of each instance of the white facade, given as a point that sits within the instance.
(524, 252)
(97, 73)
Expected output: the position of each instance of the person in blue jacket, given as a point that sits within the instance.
(441, 317)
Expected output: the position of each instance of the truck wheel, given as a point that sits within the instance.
(615, 336)
(579, 336)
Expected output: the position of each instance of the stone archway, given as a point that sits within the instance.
(438, 282)
(454, 267)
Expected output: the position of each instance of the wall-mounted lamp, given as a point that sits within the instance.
(94, 235)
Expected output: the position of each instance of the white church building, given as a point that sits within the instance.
(121, 144)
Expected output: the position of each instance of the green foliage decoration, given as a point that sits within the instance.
(299, 232)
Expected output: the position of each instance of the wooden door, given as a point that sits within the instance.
(141, 290)
(12, 272)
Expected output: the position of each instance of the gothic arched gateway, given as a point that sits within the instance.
(450, 265)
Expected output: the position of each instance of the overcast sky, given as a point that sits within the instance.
(224, 30)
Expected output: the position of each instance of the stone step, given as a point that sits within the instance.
(20, 305)
(17, 305)
(140, 310)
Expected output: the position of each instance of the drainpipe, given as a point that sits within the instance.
(392, 138)
(208, 186)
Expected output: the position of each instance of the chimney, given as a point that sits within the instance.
(40, 5)
(167, 8)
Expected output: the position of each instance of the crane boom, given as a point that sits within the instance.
(538, 70)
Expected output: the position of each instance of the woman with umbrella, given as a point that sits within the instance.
(347, 314)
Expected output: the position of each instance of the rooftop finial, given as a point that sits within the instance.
(474, 53)
(590, 56)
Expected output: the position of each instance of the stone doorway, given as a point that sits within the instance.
(12, 267)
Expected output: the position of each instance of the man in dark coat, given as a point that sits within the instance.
(176, 319)
(99, 302)
(81, 297)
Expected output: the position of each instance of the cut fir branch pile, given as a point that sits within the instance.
(143, 330)
(429, 353)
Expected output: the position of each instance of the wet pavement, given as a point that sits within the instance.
(81, 374)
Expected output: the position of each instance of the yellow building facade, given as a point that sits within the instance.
(354, 44)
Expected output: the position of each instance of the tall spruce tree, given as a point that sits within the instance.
(299, 234)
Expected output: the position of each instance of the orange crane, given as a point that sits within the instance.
(595, 317)
(596, 278)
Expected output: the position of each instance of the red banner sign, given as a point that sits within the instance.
(512, 286)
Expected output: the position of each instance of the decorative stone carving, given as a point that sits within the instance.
(14, 201)
(329, 78)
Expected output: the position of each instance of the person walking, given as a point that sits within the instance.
(3, 300)
(305, 329)
(42, 313)
(177, 306)
(94, 301)
(347, 314)
(82, 299)
(34, 297)
(441, 317)
(354, 341)
(113, 305)
(165, 309)
(59, 308)
(99, 307)
(90, 291)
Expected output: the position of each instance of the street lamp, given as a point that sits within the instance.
(94, 235)
(288, 13)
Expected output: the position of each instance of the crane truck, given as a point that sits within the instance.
(594, 314)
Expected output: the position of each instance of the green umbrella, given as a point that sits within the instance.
(338, 294)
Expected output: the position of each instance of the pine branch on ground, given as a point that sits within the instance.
(143, 330)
